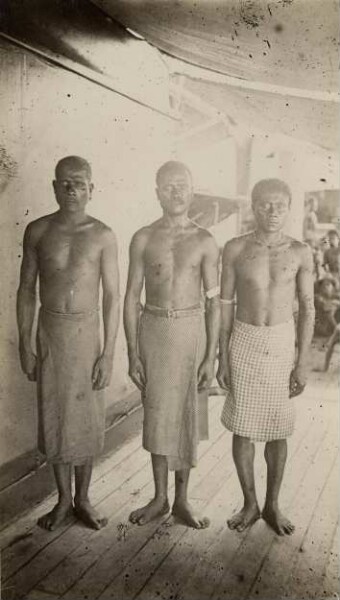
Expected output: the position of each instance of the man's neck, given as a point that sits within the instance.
(176, 221)
(72, 219)
(268, 238)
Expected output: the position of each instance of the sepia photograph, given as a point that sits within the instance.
(170, 306)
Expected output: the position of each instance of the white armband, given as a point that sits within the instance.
(228, 302)
(212, 293)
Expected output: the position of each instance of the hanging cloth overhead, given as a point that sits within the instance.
(78, 36)
(270, 66)
(290, 43)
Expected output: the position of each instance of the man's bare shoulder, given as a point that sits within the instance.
(236, 245)
(203, 234)
(102, 232)
(142, 236)
(36, 229)
(300, 249)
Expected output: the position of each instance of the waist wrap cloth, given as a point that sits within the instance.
(261, 359)
(71, 414)
(172, 348)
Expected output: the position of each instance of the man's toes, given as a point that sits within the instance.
(133, 517)
(205, 522)
(241, 527)
(289, 528)
(45, 523)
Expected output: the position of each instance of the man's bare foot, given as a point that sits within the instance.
(88, 515)
(277, 521)
(184, 512)
(245, 518)
(58, 516)
(155, 508)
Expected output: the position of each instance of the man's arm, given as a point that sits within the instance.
(305, 326)
(212, 312)
(228, 287)
(26, 302)
(132, 307)
(110, 282)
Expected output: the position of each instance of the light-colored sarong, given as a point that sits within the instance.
(261, 359)
(71, 414)
(172, 348)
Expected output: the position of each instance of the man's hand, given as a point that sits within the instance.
(205, 375)
(298, 380)
(29, 364)
(102, 372)
(223, 374)
(137, 373)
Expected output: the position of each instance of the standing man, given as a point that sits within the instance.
(171, 350)
(72, 253)
(266, 269)
(310, 221)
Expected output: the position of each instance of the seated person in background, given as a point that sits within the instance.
(335, 339)
(326, 303)
(331, 257)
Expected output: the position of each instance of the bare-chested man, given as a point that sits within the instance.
(171, 349)
(72, 253)
(258, 367)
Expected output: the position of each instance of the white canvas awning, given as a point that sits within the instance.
(266, 65)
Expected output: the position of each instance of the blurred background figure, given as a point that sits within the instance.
(310, 221)
(332, 254)
(319, 264)
(326, 302)
(334, 339)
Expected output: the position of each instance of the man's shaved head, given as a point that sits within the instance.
(270, 186)
(172, 166)
(74, 162)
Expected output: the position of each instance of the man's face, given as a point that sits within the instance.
(175, 192)
(271, 211)
(72, 189)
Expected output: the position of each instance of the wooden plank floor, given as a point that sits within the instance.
(166, 560)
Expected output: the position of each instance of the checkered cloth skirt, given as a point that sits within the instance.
(261, 359)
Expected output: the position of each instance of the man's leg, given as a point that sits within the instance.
(159, 505)
(64, 508)
(243, 454)
(82, 507)
(181, 507)
(275, 454)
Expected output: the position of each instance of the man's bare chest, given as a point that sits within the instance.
(178, 255)
(68, 250)
(264, 267)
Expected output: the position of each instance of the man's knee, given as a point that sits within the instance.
(274, 447)
(242, 444)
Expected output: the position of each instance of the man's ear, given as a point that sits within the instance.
(91, 186)
(54, 183)
(157, 192)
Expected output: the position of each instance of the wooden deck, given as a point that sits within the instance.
(166, 560)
